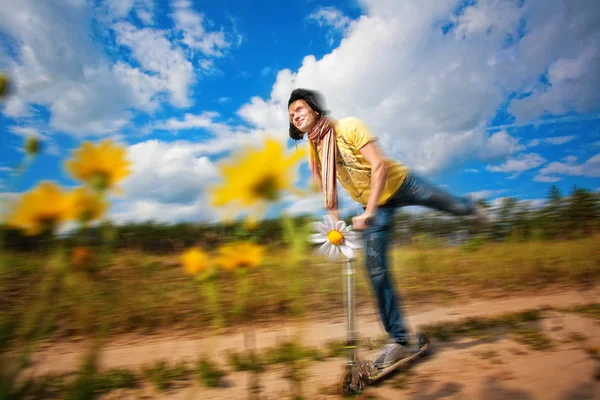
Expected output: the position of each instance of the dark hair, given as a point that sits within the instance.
(314, 99)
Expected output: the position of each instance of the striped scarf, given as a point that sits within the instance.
(324, 134)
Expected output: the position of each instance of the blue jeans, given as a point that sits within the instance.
(414, 191)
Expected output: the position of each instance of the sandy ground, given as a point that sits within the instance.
(466, 369)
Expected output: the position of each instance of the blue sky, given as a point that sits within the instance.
(484, 97)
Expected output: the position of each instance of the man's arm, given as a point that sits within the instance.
(374, 156)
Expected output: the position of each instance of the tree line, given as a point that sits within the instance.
(559, 216)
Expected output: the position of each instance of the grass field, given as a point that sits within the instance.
(145, 293)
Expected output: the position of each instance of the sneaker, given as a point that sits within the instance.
(391, 353)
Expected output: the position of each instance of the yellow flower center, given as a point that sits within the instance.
(32, 146)
(100, 181)
(335, 238)
(47, 223)
(267, 188)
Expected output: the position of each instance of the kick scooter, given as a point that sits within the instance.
(358, 374)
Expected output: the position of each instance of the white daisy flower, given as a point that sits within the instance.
(336, 239)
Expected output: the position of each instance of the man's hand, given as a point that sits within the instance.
(361, 222)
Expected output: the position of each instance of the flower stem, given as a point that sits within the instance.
(213, 299)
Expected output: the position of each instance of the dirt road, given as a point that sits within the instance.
(497, 368)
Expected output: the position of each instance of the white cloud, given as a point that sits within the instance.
(590, 168)
(546, 121)
(560, 139)
(546, 178)
(570, 56)
(192, 24)
(27, 131)
(168, 183)
(521, 163)
(86, 92)
(472, 170)
(189, 121)
(168, 172)
(144, 87)
(427, 94)
(551, 140)
(6, 201)
(331, 18)
(488, 17)
(307, 205)
(485, 194)
(313, 204)
(570, 159)
(55, 63)
(16, 107)
(58, 65)
(144, 9)
(152, 210)
(157, 54)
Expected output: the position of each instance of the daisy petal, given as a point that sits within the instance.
(340, 226)
(353, 240)
(347, 251)
(324, 248)
(330, 223)
(334, 252)
(319, 226)
(317, 238)
(352, 244)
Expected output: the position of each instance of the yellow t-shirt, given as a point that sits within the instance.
(353, 171)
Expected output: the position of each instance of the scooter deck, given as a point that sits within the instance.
(382, 373)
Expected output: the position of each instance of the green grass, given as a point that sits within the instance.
(590, 310)
(146, 294)
(241, 362)
(284, 353)
(531, 337)
(479, 327)
(86, 384)
(209, 374)
(519, 326)
(162, 374)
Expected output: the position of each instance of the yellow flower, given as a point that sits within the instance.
(101, 166)
(87, 206)
(81, 256)
(241, 255)
(256, 177)
(4, 85)
(42, 208)
(32, 146)
(194, 260)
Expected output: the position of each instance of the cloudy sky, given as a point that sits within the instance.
(491, 98)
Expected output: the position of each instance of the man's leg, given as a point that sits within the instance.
(376, 238)
(416, 191)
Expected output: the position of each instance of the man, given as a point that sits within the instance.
(345, 149)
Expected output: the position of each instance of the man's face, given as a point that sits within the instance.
(302, 116)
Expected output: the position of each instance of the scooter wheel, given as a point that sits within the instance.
(346, 388)
(423, 340)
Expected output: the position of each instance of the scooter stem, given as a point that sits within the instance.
(351, 344)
